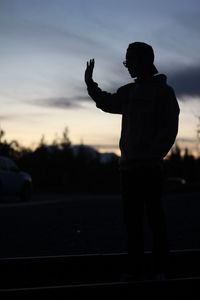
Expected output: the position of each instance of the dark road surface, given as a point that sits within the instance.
(57, 224)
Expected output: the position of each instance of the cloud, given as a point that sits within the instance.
(61, 102)
(19, 117)
(186, 81)
(27, 35)
(8, 117)
(190, 19)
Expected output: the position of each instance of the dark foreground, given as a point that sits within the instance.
(97, 275)
(62, 224)
(78, 246)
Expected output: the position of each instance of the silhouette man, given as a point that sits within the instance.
(150, 115)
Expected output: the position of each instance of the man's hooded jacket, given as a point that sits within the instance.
(150, 114)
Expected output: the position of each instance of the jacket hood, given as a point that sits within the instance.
(160, 79)
(156, 79)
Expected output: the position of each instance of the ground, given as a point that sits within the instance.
(60, 224)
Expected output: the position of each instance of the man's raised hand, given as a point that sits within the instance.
(89, 71)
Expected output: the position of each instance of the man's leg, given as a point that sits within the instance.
(157, 221)
(133, 205)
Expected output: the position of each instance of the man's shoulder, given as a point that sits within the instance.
(167, 90)
(161, 82)
(166, 94)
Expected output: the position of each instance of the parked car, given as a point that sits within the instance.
(174, 184)
(13, 181)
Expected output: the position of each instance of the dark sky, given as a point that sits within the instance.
(44, 48)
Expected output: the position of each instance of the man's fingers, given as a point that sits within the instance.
(90, 66)
(89, 70)
(90, 63)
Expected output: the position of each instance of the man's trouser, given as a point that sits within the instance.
(142, 188)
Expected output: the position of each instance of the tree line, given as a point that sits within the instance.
(62, 166)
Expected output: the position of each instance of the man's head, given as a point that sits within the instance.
(139, 60)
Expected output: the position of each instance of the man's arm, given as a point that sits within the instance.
(108, 102)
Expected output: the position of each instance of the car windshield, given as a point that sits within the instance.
(11, 165)
(8, 164)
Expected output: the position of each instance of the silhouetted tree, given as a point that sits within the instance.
(65, 140)
(80, 168)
